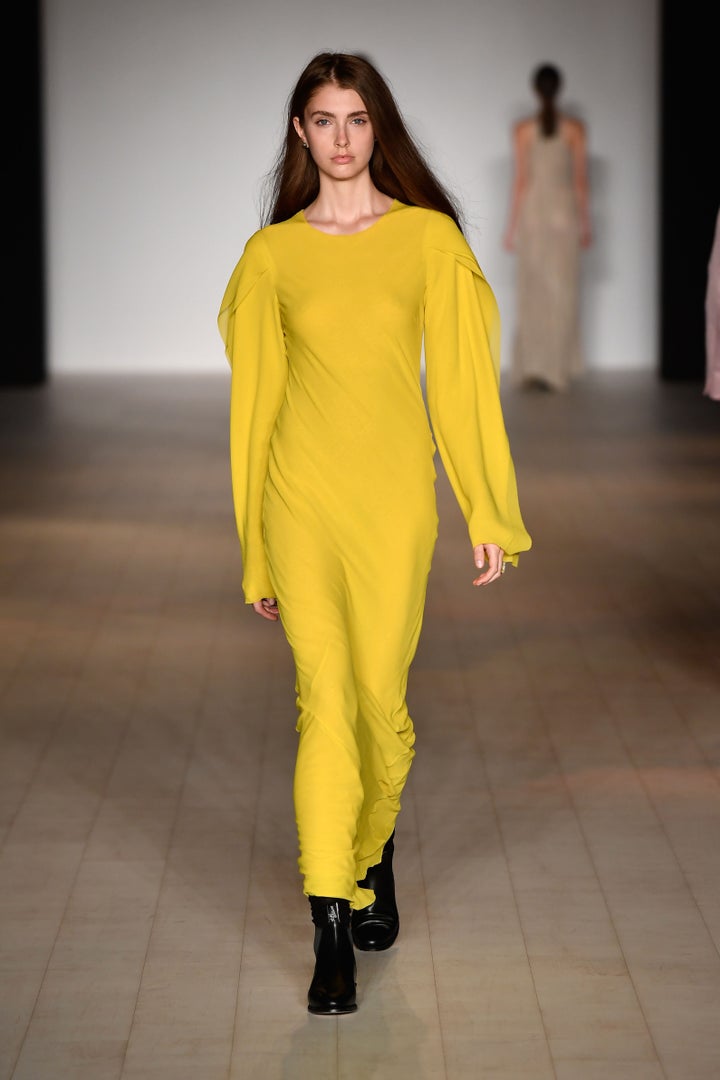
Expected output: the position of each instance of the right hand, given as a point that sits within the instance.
(494, 556)
(267, 607)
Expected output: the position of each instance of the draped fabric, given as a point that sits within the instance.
(333, 478)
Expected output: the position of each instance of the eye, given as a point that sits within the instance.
(359, 120)
(322, 121)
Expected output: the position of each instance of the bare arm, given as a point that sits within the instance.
(578, 145)
(520, 142)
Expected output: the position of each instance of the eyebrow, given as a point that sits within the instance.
(324, 112)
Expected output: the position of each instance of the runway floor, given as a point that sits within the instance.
(558, 852)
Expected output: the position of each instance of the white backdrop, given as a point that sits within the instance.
(162, 117)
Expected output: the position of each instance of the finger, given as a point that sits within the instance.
(486, 578)
(481, 552)
(266, 608)
(271, 607)
(495, 567)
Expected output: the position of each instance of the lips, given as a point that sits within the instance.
(342, 159)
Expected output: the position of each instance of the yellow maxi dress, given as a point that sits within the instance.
(333, 486)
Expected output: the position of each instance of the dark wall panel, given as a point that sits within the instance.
(689, 182)
(23, 353)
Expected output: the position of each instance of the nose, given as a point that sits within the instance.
(341, 139)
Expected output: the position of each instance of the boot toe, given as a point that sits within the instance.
(376, 926)
(329, 1007)
(372, 932)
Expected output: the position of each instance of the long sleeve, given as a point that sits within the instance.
(462, 360)
(250, 326)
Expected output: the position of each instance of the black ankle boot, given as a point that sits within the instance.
(332, 990)
(375, 927)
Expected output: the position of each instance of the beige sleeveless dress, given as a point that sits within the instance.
(547, 337)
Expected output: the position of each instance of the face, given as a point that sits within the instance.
(338, 132)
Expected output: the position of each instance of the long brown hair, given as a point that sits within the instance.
(547, 83)
(397, 168)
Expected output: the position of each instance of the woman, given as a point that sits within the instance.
(548, 224)
(332, 467)
(711, 386)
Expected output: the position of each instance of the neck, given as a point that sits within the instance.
(345, 203)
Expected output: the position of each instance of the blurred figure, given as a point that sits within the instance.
(712, 319)
(549, 223)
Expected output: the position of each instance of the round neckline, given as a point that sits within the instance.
(347, 236)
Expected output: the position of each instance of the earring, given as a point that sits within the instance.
(305, 145)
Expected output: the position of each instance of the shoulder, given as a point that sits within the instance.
(446, 246)
(436, 225)
(270, 238)
(258, 244)
(573, 129)
(256, 263)
(428, 227)
(442, 234)
(255, 251)
(523, 130)
(266, 248)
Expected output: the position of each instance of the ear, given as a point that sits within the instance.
(299, 128)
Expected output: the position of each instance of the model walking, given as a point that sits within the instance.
(548, 225)
(324, 317)
(711, 387)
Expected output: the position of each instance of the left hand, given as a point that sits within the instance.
(494, 556)
(267, 607)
